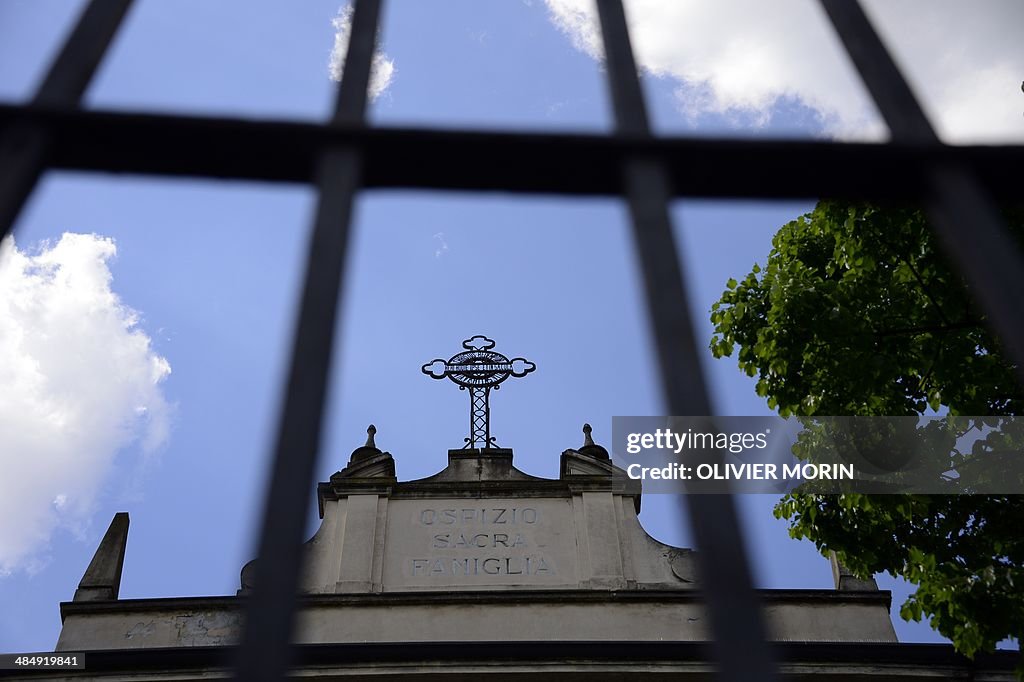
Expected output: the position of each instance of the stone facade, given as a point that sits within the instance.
(482, 553)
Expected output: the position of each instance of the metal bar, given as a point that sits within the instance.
(881, 76)
(24, 147)
(559, 163)
(623, 81)
(961, 211)
(976, 240)
(266, 652)
(75, 65)
(733, 605)
(353, 92)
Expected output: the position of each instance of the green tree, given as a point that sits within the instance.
(856, 312)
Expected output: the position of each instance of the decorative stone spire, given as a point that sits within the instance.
(368, 450)
(589, 447)
(367, 461)
(102, 580)
(589, 459)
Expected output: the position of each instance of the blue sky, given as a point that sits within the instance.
(205, 273)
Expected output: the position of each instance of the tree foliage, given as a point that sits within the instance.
(856, 312)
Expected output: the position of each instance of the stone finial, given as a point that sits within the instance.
(368, 450)
(589, 447)
(102, 579)
(367, 461)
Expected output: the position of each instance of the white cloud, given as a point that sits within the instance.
(442, 245)
(382, 69)
(741, 58)
(80, 381)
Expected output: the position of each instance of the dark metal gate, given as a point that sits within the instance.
(956, 185)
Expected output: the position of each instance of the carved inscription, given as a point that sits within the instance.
(444, 544)
(482, 541)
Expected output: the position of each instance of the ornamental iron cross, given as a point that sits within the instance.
(479, 369)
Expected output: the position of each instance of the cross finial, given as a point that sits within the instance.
(478, 342)
(478, 368)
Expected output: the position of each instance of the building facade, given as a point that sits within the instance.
(483, 569)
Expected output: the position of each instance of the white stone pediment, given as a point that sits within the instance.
(481, 524)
